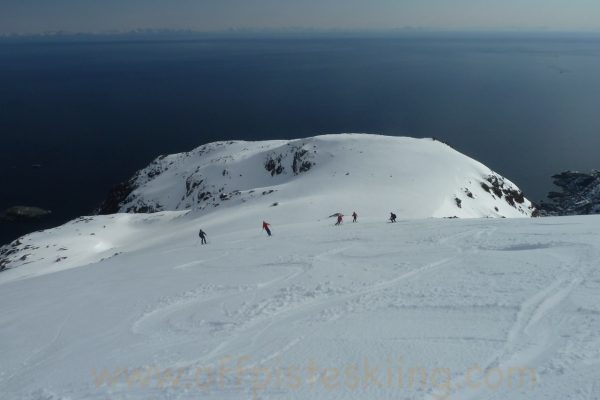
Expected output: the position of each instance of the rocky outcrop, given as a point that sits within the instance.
(496, 185)
(115, 198)
(579, 195)
(17, 250)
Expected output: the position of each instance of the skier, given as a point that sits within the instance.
(266, 228)
(202, 235)
(340, 218)
(354, 216)
(392, 217)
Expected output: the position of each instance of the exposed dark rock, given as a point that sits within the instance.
(191, 183)
(579, 195)
(301, 163)
(486, 187)
(143, 208)
(122, 193)
(153, 173)
(7, 251)
(204, 196)
(273, 165)
(498, 188)
(116, 197)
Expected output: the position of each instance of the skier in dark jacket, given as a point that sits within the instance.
(354, 216)
(202, 235)
(266, 228)
(392, 217)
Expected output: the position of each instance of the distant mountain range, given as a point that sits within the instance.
(190, 33)
(163, 33)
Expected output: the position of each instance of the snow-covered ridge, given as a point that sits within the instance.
(311, 177)
(230, 187)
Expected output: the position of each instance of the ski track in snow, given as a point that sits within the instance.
(291, 314)
(532, 335)
(498, 294)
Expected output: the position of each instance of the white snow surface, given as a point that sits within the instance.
(132, 306)
(415, 178)
(315, 311)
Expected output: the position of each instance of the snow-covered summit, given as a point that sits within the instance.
(306, 179)
(231, 187)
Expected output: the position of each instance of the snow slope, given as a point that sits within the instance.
(83, 241)
(315, 177)
(459, 309)
(131, 306)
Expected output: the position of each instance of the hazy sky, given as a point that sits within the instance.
(32, 16)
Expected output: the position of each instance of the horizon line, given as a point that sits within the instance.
(292, 31)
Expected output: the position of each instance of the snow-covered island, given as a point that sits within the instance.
(22, 213)
(465, 297)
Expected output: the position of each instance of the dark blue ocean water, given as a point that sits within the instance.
(93, 113)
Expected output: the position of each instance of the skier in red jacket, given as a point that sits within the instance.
(266, 228)
(340, 219)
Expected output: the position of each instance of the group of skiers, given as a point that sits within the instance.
(340, 218)
(266, 225)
